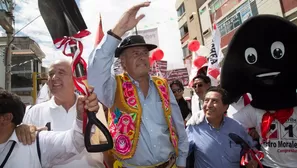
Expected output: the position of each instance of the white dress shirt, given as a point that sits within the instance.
(195, 102)
(55, 147)
(61, 120)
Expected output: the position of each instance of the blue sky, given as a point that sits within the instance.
(160, 14)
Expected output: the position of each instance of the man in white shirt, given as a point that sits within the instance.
(51, 148)
(60, 112)
(200, 84)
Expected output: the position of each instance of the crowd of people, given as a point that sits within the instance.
(149, 120)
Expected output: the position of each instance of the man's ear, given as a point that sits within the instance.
(123, 62)
(226, 106)
(6, 119)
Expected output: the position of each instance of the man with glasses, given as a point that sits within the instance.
(200, 85)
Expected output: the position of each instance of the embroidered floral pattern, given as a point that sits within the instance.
(164, 92)
(173, 135)
(113, 130)
(131, 134)
(165, 98)
(125, 124)
(123, 144)
(128, 91)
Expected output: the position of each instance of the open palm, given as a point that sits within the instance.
(129, 19)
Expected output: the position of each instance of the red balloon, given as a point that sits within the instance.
(199, 61)
(157, 54)
(194, 45)
(151, 61)
(214, 73)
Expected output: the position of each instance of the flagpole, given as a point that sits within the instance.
(136, 30)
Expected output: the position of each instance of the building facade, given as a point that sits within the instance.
(26, 59)
(230, 14)
(189, 26)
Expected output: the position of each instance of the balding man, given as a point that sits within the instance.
(59, 113)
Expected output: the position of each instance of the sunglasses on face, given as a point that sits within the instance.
(197, 85)
(176, 91)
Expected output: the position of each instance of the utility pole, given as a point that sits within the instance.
(8, 51)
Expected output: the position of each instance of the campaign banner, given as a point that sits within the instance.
(180, 74)
(159, 68)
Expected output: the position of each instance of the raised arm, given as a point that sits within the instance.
(101, 59)
(99, 70)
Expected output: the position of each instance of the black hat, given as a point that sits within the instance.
(133, 41)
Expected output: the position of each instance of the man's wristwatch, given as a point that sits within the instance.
(114, 35)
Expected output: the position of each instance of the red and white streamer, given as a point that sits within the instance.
(75, 41)
(252, 154)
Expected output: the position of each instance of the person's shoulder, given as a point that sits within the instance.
(41, 105)
(233, 123)
(198, 126)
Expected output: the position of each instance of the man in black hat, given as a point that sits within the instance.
(144, 118)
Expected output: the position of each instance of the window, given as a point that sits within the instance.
(191, 18)
(215, 5)
(21, 63)
(186, 51)
(183, 30)
(202, 11)
(234, 19)
(21, 80)
(222, 29)
(181, 10)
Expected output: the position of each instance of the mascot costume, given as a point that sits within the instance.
(262, 61)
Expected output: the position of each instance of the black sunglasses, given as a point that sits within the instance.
(176, 91)
(197, 85)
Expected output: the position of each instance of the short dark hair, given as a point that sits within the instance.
(11, 103)
(205, 78)
(220, 90)
(178, 83)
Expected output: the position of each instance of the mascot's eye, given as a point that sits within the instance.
(277, 50)
(251, 55)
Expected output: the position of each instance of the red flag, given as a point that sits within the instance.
(100, 33)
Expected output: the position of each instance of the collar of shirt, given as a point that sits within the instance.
(223, 122)
(12, 138)
(54, 105)
(137, 83)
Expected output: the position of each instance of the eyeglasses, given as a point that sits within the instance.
(197, 85)
(176, 91)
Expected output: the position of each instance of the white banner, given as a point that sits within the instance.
(117, 67)
(150, 36)
(215, 57)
